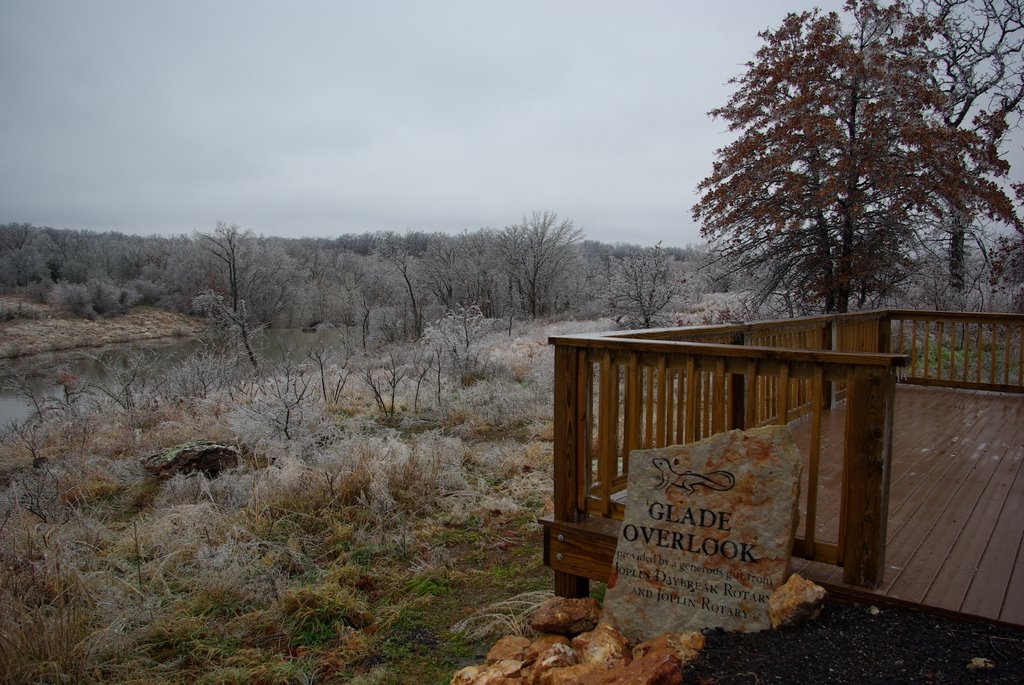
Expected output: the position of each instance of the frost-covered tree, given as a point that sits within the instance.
(642, 285)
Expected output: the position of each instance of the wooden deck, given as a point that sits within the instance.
(955, 538)
(941, 527)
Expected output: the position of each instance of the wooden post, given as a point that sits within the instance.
(570, 416)
(867, 451)
(884, 342)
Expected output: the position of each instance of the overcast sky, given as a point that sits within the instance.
(320, 118)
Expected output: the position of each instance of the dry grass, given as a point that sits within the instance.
(346, 552)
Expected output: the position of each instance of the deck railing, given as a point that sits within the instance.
(617, 392)
(976, 351)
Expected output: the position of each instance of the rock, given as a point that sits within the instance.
(566, 616)
(979, 663)
(656, 668)
(604, 646)
(505, 672)
(542, 644)
(558, 655)
(510, 647)
(467, 675)
(580, 674)
(208, 457)
(506, 668)
(795, 602)
(653, 669)
(685, 646)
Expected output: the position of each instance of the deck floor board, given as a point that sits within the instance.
(956, 515)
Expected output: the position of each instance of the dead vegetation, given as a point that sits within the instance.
(345, 546)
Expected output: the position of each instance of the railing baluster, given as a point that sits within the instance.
(632, 409)
(1020, 355)
(979, 360)
(1006, 355)
(782, 399)
(692, 389)
(992, 356)
(813, 461)
(718, 406)
(913, 348)
(607, 448)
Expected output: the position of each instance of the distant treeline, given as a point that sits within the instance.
(381, 286)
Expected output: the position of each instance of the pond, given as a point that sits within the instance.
(40, 371)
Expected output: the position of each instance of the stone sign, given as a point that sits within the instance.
(707, 534)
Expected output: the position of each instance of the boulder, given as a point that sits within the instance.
(210, 458)
(796, 601)
(566, 616)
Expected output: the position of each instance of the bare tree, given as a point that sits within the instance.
(641, 286)
(234, 322)
(127, 378)
(394, 252)
(281, 398)
(535, 254)
(978, 50)
(384, 375)
(333, 368)
(227, 244)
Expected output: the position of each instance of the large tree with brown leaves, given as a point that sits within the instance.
(842, 159)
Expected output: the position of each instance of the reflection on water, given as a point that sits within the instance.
(39, 372)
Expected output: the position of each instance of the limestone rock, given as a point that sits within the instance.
(566, 616)
(980, 663)
(795, 602)
(604, 646)
(558, 655)
(208, 457)
(505, 672)
(467, 675)
(542, 644)
(507, 668)
(580, 674)
(510, 647)
(686, 646)
(656, 668)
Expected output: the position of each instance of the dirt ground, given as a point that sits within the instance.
(36, 328)
(854, 643)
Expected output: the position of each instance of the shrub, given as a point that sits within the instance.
(95, 298)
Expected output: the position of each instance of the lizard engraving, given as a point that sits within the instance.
(688, 480)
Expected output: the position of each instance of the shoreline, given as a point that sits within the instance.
(48, 329)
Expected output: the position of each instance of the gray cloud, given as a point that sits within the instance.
(317, 118)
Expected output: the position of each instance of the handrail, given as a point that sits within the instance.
(599, 341)
(968, 350)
